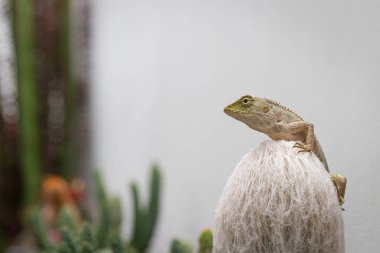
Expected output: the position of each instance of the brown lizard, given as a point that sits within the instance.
(281, 123)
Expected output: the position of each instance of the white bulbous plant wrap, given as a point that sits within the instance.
(278, 200)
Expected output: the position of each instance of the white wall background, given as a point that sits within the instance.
(163, 71)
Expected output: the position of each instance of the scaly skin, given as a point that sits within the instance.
(280, 123)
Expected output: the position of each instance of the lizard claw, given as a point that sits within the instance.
(304, 151)
(303, 147)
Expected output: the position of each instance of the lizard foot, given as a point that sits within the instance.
(340, 185)
(303, 147)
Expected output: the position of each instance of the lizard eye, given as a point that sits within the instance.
(245, 101)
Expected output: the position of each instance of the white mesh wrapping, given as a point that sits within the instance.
(279, 201)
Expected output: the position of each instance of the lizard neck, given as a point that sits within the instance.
(260, 123)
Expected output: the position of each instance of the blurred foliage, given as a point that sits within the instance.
(41, 138)
(178, 246)
(43, 102)
(104, 223)
(27, 90)
(104, 233)
(206, 241)
(47, 91)
(70, 90)
(145, 217)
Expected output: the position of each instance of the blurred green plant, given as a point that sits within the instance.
(179, 246)
(40, 231)
(206, 241)
(45, 76)
(105, 232)
(145, 217)
(70, 89)
(82, 241)
(104, 223)
(116, 216)
(27, 90)
(103, 235)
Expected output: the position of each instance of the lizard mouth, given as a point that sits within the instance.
(233, 112)
(227, 110)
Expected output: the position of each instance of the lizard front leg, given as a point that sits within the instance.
(297, 127)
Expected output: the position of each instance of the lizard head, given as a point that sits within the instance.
(255, 112)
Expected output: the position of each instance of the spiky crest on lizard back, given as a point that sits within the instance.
(282, 106)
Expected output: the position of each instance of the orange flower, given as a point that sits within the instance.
(56, 191)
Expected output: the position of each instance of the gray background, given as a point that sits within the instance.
(164, 70)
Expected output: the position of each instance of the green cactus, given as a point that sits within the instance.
(65, 218)
(72, 242)
(70, 239)
(178, 246)
(131, 249)
(145, 218)
(106, 236)
(117, 244)
(27, 92)
(87, 239)
(40, 231)
(70, 88)
(102, 236)
(205, 241)
(63, 248)
(116, 217)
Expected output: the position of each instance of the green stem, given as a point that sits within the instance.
(30, 150)
(70, 90)
(145, 217)
(40, 231)
(104, 219)
(138, 220)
